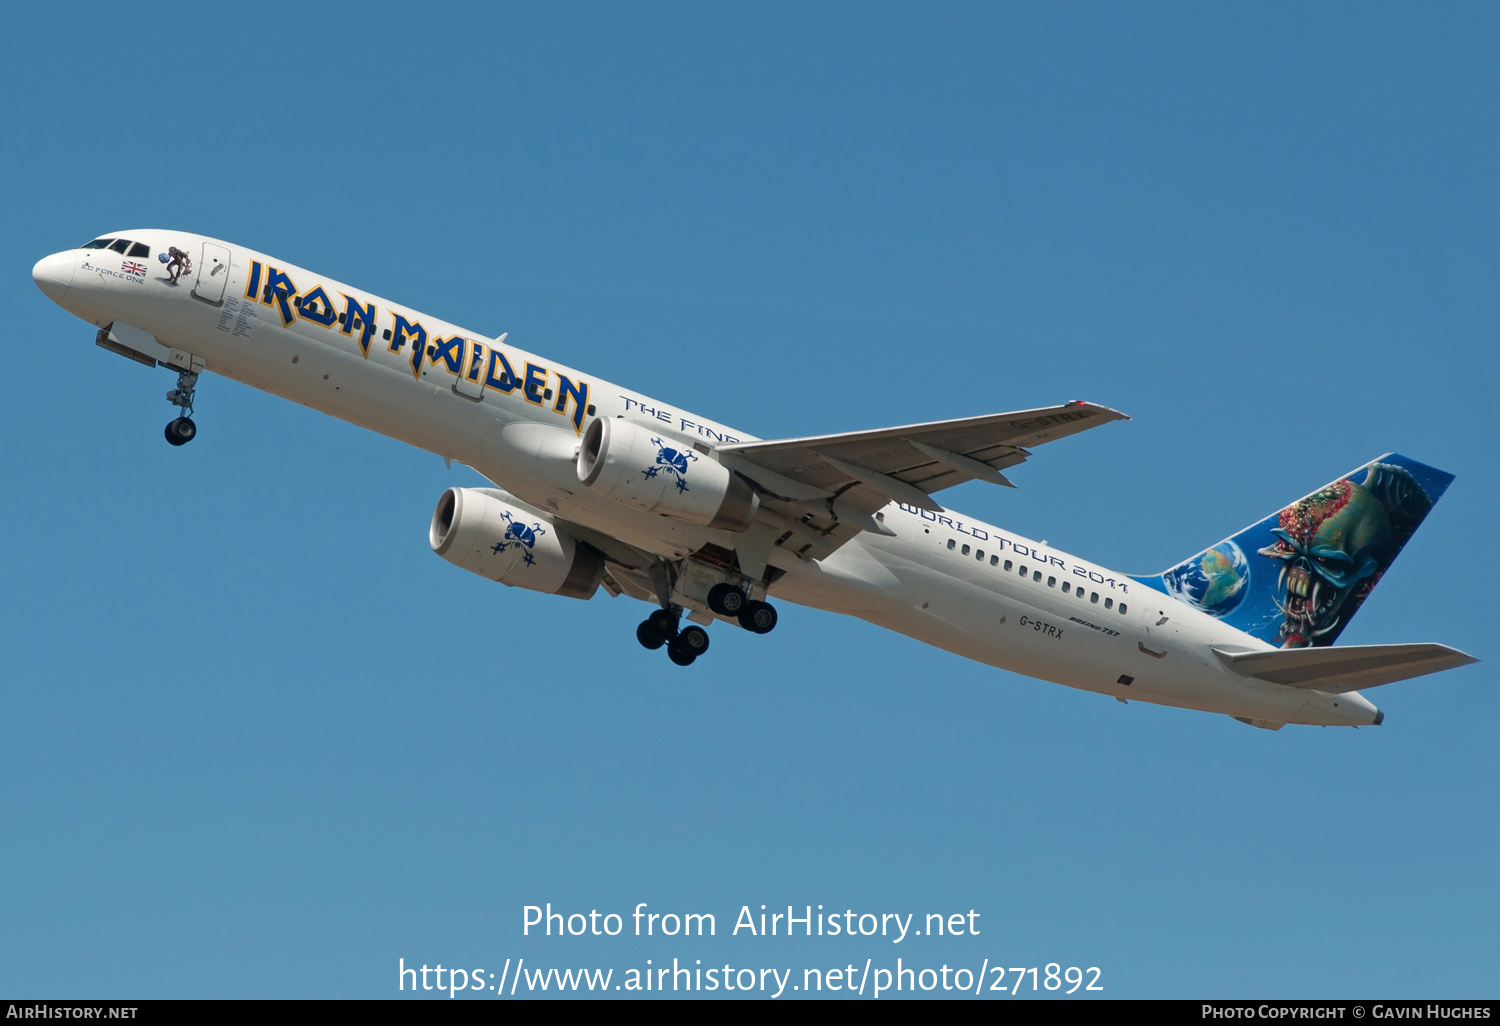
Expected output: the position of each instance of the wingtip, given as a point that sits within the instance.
(1461, 658)
(1113, 413)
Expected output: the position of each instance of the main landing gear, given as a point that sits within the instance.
(683, 646)
(687, 644)
(755, 616)
(182, 430)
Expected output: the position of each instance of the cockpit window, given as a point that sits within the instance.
(120, 245)
(140, 249)
(97, 244)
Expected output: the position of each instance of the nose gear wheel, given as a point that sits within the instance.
(181, 431)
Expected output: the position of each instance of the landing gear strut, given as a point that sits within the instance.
(182, 430)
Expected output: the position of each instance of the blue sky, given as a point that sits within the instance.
(256, 740)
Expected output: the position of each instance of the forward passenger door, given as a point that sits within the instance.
(211, 274)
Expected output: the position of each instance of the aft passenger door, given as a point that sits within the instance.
(1158, 621)
(213, 274)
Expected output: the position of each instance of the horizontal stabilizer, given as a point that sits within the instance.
(1344, 668)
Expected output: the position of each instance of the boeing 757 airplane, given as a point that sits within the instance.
(596, 485)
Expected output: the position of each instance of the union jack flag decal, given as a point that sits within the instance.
(131, 267)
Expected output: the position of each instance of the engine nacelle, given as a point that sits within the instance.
(639, 468)
(486, 535)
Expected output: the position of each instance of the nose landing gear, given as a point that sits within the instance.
(182, 430)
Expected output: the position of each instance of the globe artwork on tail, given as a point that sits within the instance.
(1216, 581)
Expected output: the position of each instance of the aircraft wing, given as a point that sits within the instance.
(1336, 669)
(908, 463)
(829, 487)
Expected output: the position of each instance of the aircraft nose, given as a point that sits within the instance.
(54, 274)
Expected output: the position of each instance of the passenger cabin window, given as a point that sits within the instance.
(1023, 571)
(1052, 582)
(1109, 603)
(140, 249)
(951, 543)
(1067, 587)
(966, 550)
(120, 245)
(1008, 564)
(995, 560)
(1094, 597)
(1122, 609)
(979, 555)
(1036, 575)
(97, 244)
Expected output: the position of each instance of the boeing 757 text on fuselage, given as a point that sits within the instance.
(598, 486)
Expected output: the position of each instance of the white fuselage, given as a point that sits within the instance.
(942, 579)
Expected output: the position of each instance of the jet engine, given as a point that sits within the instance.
(641, 469)
(475, 529)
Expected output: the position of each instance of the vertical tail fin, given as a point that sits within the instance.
(1297, 577)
